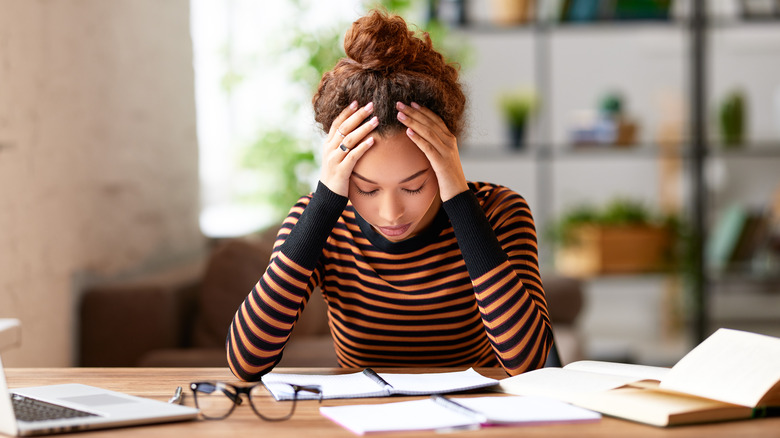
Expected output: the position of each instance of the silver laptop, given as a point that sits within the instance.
(74, 407)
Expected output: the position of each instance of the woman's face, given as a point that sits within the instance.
(394, 188)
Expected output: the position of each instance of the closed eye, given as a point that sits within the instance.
(414, 191)
(369, 193)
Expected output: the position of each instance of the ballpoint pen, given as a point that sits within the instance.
(457, 407)
(176, 399)
(377, 378)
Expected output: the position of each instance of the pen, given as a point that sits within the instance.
(176, 399)
(459, 408)
(371, 374)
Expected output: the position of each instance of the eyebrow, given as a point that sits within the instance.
(400, 182)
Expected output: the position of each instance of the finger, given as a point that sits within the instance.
(351, 156)
(354, 120)
(357, 135)
(424, 121)
(421, 134)
(343, 115)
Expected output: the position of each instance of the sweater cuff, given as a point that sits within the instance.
(477, 240)
(307, 238)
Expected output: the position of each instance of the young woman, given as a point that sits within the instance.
(418, 266)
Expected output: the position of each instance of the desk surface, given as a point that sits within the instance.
(160, 383)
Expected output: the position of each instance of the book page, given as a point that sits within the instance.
(527, 410)
(399, 416)
(638, 372)
(563, 384)
(356, 385)
(731, 366)
(426, 414)
(333, 385)
(437, 383)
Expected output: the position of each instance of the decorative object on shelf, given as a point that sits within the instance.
(581, 11)
(622, 237)
(512, 12)
(609, 126)
(517, 106)
(641, 9)
(450, 12)
(732, 119)
(759, 9)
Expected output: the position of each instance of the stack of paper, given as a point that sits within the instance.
(475, 412)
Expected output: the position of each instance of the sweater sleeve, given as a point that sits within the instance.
(500, 250)
(264, 321)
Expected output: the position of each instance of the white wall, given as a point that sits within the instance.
(98, 156)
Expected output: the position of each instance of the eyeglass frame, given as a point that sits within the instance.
(239, 389)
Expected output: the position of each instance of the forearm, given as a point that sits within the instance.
(505, 275)
(264, 321)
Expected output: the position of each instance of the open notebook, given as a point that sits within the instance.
(371, 384)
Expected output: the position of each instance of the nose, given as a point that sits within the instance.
(391, 209)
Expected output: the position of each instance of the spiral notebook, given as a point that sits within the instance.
(371, 384)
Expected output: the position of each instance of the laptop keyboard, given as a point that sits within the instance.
(28, 409)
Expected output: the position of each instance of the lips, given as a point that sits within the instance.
(394, 231)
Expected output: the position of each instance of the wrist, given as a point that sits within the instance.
(450, 191)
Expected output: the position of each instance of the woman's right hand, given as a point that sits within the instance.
(347, 141)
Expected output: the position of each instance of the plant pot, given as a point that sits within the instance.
(512, 12)
(517, 137)
(598, 250)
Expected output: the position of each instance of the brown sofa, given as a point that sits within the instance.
(180, 317)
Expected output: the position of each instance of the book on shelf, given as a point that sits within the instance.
(731, 375)
(449, 414)
(371, 384)
(737, 237)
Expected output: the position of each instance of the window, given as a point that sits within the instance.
(245, 83)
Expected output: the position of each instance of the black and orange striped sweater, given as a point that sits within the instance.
(466, 291)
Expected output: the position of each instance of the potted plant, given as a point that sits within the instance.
(517, 106)
(732, 119)
(621, 237)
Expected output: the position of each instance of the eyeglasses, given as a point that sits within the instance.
(217, 400)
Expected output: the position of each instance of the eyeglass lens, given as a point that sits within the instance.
(216, 400)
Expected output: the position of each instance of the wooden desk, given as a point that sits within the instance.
(160, 383)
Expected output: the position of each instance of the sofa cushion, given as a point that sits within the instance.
(564, 299)
(233, 269)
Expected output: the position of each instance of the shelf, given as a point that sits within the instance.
(612, 25)
(695, 31)
(757, 150)
(760, 149)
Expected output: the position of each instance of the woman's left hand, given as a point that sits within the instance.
(428, 131)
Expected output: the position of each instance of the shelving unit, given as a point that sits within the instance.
(547, 152)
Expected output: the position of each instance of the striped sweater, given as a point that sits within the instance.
(464, 292)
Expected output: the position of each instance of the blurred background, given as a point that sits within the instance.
(137, 136)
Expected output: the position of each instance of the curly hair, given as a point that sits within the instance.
(387, 63)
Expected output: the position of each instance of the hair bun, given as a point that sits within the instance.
(383, 42)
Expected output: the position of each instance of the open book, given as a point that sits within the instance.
(731, 375)
(439, 413)
(370, 384)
